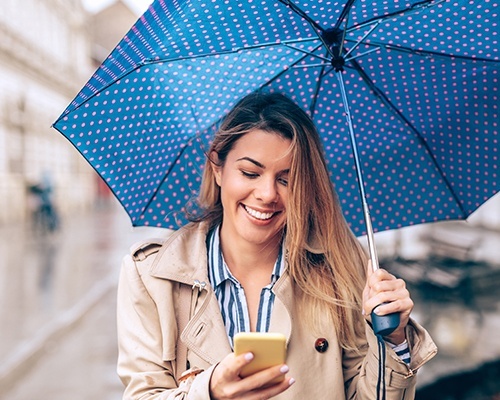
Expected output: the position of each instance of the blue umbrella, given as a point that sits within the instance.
(417, 82)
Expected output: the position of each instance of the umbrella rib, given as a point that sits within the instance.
(287, 43)
(172, 165)
(322, 65)
(302, 14)
(309, 52)
(358, 43)
(345, 13)
(319, 81)
(378, 93)
(291, 66)
(316, 27)
(428, 53)
(362, 54)
(412, 8)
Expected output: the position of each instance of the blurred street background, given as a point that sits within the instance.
(62, 233)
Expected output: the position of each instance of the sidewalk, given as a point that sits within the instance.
(57, 296)
(78, 365)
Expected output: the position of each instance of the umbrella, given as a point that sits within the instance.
(415, 84)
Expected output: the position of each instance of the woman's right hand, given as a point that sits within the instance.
(226, 382)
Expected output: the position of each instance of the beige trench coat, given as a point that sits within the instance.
(148, 299)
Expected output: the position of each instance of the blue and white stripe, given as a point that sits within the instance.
(402, 351)
(231, 295)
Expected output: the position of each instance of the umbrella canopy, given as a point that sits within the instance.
(421, 83)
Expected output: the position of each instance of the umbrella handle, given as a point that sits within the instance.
(385, 324)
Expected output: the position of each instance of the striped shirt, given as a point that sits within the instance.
(231, 295)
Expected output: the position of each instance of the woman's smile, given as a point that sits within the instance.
(262, 216)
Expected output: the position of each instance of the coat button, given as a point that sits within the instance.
(321, 345)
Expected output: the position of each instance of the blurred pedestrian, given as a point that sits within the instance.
(45, 216)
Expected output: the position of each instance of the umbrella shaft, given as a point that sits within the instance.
(369, 235)
(359, 173)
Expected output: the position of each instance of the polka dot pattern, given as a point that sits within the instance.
(422, 88)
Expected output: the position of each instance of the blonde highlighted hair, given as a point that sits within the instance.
(325, 260)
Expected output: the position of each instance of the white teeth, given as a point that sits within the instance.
(258, 214)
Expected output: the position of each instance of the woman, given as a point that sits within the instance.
(272, 252)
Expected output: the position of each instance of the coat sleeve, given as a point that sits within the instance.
(361, 368)
(145, 362)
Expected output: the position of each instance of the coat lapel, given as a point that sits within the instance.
(281, 318)
(205, 333)
(183, 259)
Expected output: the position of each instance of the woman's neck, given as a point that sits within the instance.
(244, 258)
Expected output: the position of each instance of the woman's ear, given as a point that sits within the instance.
(216, 169)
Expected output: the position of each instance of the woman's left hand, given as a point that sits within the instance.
(383, 287)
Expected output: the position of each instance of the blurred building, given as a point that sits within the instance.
(48, 50)
(107, 27)
(474, 239)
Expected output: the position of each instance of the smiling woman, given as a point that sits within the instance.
(271, 252)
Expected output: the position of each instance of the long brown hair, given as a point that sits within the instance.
(325, 260)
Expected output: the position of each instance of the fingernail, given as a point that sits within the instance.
(291, 381)
(363, 312)
(376, 311)
(284, 369)
(249, 356)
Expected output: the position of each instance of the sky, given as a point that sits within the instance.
(139, 6)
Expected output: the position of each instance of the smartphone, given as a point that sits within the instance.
(269, 349)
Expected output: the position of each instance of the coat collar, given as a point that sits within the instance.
(183, 256)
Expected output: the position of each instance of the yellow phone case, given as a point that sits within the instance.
(269, 349)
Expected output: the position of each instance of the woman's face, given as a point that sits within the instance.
(254, 191)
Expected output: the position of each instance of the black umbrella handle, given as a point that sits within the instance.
(385, 324)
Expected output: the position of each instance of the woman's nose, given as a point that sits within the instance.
(266, 191)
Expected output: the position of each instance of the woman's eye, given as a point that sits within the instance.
(249, 174)
(283, 181)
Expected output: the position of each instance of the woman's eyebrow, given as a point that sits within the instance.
(258, 164)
